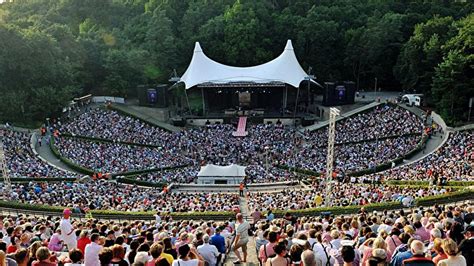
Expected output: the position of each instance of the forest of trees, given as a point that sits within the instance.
(53, 50)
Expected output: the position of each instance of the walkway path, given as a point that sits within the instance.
(433, 143)
(44, 153)
(252, 258)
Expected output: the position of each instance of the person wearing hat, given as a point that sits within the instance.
(467, 245)
(67, 230)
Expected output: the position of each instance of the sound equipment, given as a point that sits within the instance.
(155, 96)
(307, 121)
(338, 93)
(179, 122)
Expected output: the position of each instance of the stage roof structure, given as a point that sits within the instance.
(212, 170)
(283, 69)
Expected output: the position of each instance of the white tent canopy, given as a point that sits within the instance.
(285, 68)
(212, 170)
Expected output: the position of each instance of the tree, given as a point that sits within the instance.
(422, 52)
(453, 80)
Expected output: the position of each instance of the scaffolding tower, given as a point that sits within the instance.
(333, 113)
(7, 185)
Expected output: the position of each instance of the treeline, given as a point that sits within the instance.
(52, 50)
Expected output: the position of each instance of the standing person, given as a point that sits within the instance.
(91, 255)
(241, 189)
(256, 216)
(67, 231)
(241, 238)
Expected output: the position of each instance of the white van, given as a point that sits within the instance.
(413, 99)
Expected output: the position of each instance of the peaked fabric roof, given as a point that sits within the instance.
(232, 170)
(285, 68)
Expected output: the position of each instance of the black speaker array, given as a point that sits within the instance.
(156, 96)
(339, 93)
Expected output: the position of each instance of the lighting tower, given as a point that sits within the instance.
(3, 165)
(333, 112)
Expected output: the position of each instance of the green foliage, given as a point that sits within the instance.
(72, 47)
(109, 214)
(452, 82)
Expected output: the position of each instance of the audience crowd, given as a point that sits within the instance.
(117, 158)
(350, 157)
(382, 121)
(104, 195)
(454, 161)
(265, 145)
(22, 162)
(342, 194)
(106, 124)
(438, 235)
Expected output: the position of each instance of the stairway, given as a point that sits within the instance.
(252, 259)
(241, 126)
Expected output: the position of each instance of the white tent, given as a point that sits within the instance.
(215, 174)
(212, 170)
(285, 68)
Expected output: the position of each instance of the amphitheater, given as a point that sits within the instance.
(109, 162)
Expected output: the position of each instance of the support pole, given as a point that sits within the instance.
(187, 101)
(330, 156)
(203, 103)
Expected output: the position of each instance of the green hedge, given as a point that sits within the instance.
(133, 181)
(427, 183)
(442, 199)
(351, 209)
(101, 140)
(110, 214)
(426, 201)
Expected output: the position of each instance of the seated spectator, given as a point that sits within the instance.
(75, 256)
(454, 258)
(188, 257)
(44, 258)
(419, 258)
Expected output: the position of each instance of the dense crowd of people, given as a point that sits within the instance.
(432, 236)
(265, 144)
(382, 121)
(454, 161)
(107, 124)
(104, 195)
(176, 175)
(438, 235)
(342, 194)
(351, 157)
(20, 159)
(117, 158)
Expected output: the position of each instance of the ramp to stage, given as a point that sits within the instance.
(241, 127)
